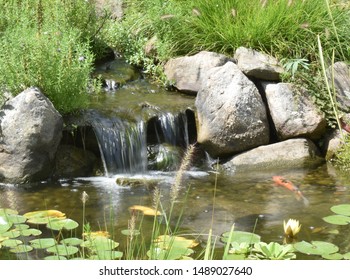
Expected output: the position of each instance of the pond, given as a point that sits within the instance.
(208, 199)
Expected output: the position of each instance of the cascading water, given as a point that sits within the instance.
(122, 145)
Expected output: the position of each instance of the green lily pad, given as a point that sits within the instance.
(12, 233)
(2, 238)
(72, 241)
(63, 250)
(240, 237)
(12, 243)
(16, 219)
(106, 255)
(335, 256)
(59, 224)
(347, 256)
(4, 225)
(31, 231)
(21, 249)
(316, 248)
(341, 209)
(20, 227)
(100, 244)
(55, 258)
(43, 217)
(337, 219)
(236, 257)
(172, 254)
(42, 243)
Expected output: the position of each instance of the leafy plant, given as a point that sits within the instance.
(272, 251)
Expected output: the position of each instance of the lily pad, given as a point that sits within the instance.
(43, 217)
(166, 242)
(73, 241)
(30, 231)
(59, 224)
(241, 237)
(337, 219)
(341, 209)
(4, 225)
(12, 243)
(12, 233)
(335, 256)
(43, 243)
(63, 250)
(100, 244)
(172, 254)
(55, 258)
(316, 248)
(107, 255)
(347, 256)
(20, 227)
(21, 249)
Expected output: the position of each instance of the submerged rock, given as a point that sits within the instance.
(138, 182)
(188, 72)
(292, 153)
(30, 131)
(230, 112)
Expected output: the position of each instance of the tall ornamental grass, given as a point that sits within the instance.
(48, 44)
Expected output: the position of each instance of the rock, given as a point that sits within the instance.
(293, 113)
(187, 72)
(74, 162)
(258, 65)
(164, 157)
(332, 143)
(292, 153)
(342, 84)
(138, 182)
(31, 130)
(231, 115)
(114, 7)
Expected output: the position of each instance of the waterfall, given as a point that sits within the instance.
(122, 145)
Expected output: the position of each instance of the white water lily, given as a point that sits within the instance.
(292, 227)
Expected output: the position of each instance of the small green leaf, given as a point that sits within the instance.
(4, 225)
(16, 219)
(72, 241)
(12, 243)
(100, 244)
(59, 224)
(42, 243)
(316, 248)
(337, 219)
(347, 256)
(63, 250)
(31, 231)
(5, 211)
(335, 256)
(12, 233)
(240, 237)
(21, 249)
(341, 209)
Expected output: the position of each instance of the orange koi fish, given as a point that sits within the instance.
(280, 181)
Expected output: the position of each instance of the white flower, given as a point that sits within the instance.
(291, 228)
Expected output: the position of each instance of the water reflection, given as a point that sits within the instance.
(251, 201)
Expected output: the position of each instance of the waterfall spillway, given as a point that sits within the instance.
(125, 145)
(122, 145)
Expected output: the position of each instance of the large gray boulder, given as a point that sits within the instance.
(292, 153)
(258, 65)
(231, 116)
(293, 112)
(187, 72)
(30, 131)
(341, 73)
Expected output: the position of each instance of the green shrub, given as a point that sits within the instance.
(48, 44)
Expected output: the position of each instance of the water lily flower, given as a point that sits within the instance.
(292, 227)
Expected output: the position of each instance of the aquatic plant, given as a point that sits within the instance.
(291, 228)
